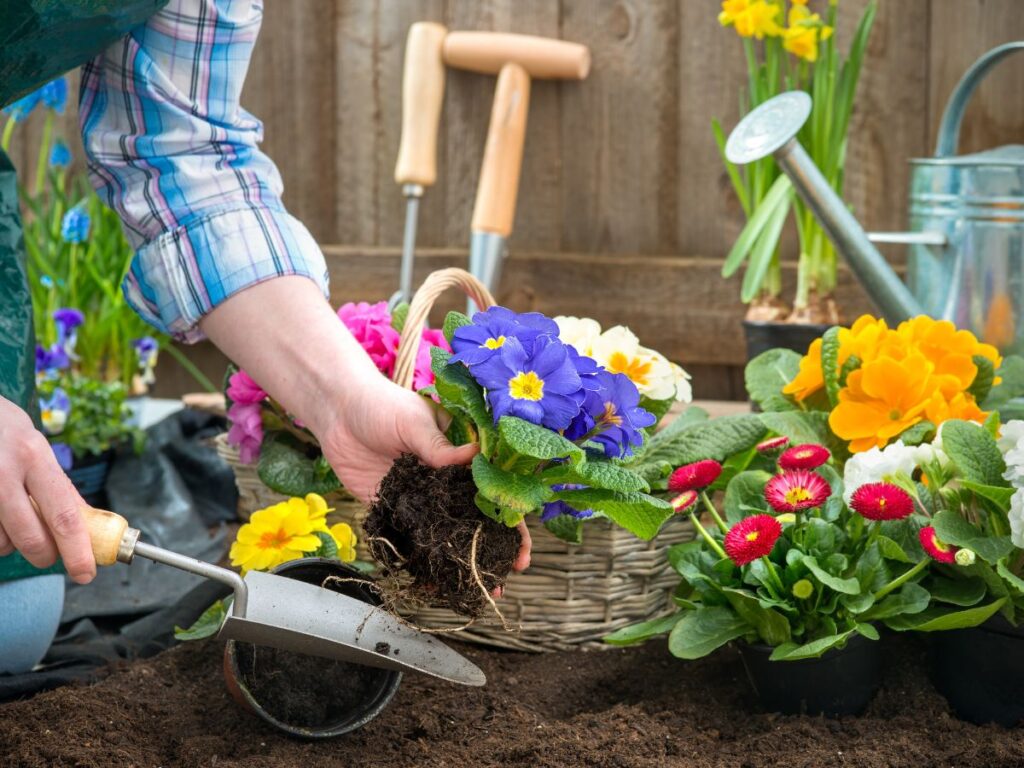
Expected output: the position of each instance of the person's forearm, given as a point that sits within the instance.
(286, 336)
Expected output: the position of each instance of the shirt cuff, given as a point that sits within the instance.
(180, 276)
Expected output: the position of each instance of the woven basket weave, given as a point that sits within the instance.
(571, 595)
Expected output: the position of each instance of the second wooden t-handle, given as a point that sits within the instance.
(113, 541)
(503, 153)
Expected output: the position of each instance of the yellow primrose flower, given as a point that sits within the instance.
(277, 534)
(750, 18)
(345, 538)
(951, 350)
(866, 339)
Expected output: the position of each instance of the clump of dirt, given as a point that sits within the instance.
(305, 691)
(425, 522)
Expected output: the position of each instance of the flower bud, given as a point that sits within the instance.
(803, 589)
(965, 557)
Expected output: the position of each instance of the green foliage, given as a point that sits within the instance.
(566, 527)
(639, 633)
(293, 468)
(974, 451)
(1001, 397)
(98, 419)
(702, 631)
(208, 624)
(767, 374)
(715, 439)
(399, 315)
(830, 363)
(954, 529)
(638, 513)
(452, 322)
(514, 494)
(537, 442)
(983, 379)
(937, 619)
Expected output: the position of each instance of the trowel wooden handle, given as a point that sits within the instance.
(422, 94)
(541, 57)
(503, 153)
(109, 532)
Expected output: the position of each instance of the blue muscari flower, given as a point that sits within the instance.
(75, 226)
(611, 415)
(64, 456)
(46, 281)
(479, 342)
(55, 94)
(60, 155)
(20, 110)
(54, 410)
(536, 381)
(555, 508)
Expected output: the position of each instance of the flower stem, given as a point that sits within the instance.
(899, 581)
(713, 512)
(44, 153)
(775, 575)
(5, 142)
(707, 536)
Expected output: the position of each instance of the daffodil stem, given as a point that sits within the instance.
(713, 512)
(707, 536)
(899, 581)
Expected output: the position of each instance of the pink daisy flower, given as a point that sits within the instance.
(694, 477)
(797, 490)
(882, 501)
(936, 548)
(751, 538)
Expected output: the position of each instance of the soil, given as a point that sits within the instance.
(429, 518)
(302, 690)
(619, 708)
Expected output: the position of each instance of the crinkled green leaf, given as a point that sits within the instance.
(716, 439)
(519, 493)
(767, 374)
(285, 468)
(1012, 386)
(852, 364)
(805, 427)
(1000, 496)
(566, 527)
(399, 315)
(536, 441)
(702, 631)
(328, 546)
(638, 513)
(596, 474)
(830, 363)
(918, 433)
(983, 379)
(452, 322)
(459, 393)
(974, 452)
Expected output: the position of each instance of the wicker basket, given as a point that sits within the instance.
(571, 595)
(253, 495)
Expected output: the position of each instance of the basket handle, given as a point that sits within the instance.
(435, 284)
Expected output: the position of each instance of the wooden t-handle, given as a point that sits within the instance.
(110, 536)
(541, 57)
(422, 94)
(503, 153)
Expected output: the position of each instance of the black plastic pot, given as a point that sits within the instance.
(89, 476)
(980, 671)
(842, 682)
(384, 682)
(764, 336)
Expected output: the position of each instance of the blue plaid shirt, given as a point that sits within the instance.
(172, 151)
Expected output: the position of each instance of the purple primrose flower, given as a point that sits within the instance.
(611, 415)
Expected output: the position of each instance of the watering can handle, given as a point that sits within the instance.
(949, 128)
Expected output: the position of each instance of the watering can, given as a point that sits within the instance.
(966, 262)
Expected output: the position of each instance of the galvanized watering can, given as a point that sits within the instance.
(966, 260)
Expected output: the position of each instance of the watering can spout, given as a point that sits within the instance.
(771, 129)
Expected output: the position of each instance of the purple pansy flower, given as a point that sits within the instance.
(64, 456)
(246, 430)
(146, 348)
(476, 343)
(536, 382)
(53, 359)
(54, 410)
(555, 508)
(611, 415)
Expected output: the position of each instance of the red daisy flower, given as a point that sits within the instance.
(751, 538)
(882, 501)
(772, 444)
(694, 477)
(796, 490)
(807, 456)
(936, 547)
(684, 501)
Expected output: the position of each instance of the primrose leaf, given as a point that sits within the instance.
(399, 315)
(285, 468)
(520, 494)
(847, 586)
(645, 630)
(1012, 386)
(537, 442)
(767, 374)
(983, 379)
(566, 527)
(813, 649)
(328, 546)
(638, 513)
(207, 625)
(918, 433)
(938, 619)
(974, 452)
(702, 631)
(715, 439)
(452, 322)
(805, 427)
(953, 529)
(596, 474)
(459, 393)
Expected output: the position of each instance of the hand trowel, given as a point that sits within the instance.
(283, 613)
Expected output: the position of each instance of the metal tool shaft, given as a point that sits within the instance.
(200, 568)
(413, 193)
(486, 254)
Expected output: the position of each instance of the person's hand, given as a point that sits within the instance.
(54, 525)
(378, 422)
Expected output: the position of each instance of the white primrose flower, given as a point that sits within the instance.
(578, 332)
(619, 351)
(684, 392)
(1011, 443)
(878, 465)
(1016, 515)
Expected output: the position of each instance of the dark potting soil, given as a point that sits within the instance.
(620, 708)
(303, 690)
(429, 517)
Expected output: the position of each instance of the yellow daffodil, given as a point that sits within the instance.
(751, 18)
(345, 538)
(277, 534)
(804, 33)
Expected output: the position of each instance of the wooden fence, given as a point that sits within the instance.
(624, 211)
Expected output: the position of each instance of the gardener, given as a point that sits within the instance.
(217, 257)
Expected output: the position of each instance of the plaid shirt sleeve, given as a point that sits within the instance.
(173, 152)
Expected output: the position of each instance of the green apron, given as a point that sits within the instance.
(40, 40)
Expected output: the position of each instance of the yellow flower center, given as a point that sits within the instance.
(610, 416)
(752, 536)
(797, 494)
(636, 368)
(274, 539)
(881, 503)
(497, 343)
(526, 385)
(940, 544)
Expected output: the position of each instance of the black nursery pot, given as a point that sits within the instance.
(841, 682)
(89, 476)
(764, 336)
(980, 671)
(376, 687)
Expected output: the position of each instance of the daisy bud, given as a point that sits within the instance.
(808, 456)
(772, 445)
(964, 557)
(787, 518)
(803, 589)
(694, 477)
(683, 502)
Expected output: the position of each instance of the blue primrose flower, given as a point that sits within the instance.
(535, 381)
(611, 415)
(60, 155)
(479, 342)
(555, 508)
(74, 228)
(64, 456)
